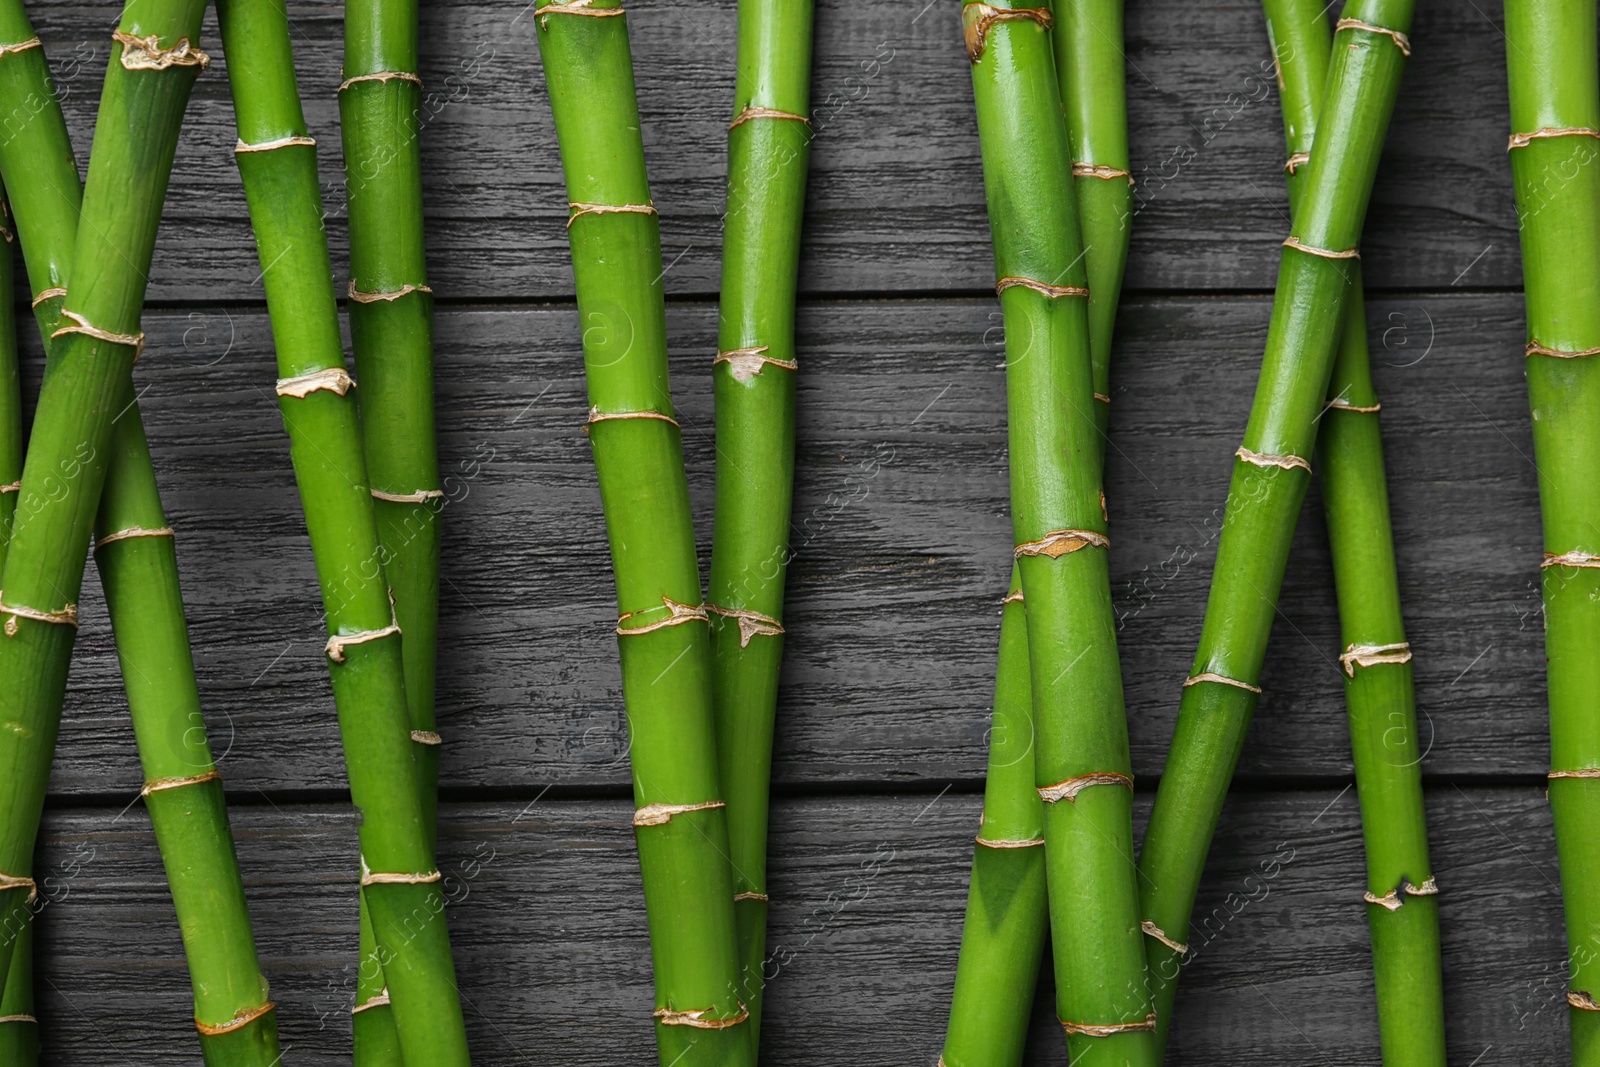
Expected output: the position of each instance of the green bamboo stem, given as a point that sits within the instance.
(1002, 939)
(1555, 118)
(400, 887)
(1082, 766)
(638, 451)
(1270, 476)
(1402, 905)
(769, 146)
(86, 384)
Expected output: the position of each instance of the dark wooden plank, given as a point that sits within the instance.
(901, 542)
(896, 190)
(868, 898)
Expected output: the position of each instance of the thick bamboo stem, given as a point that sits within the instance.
(769, 146)
(638, 451)
(1555, 122)
(1270, 475)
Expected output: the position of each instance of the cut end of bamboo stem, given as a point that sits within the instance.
(238, 1022)
(1069, 789)
(661, 814)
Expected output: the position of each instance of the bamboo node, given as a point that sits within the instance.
(68, 615)
(579, 207)
(1394, 898)
(1534, 348)
(372, 298)
(699, 1018)
(17, 1019)
(1326, 253)
(378, 1000)
(596, 415)
(751, 623)
(1052, 291)
(1523, 140)
(146, 53)
(420, 496)
(1220, 679)
(371, 877)
(20, 46)
(1102, 398)
(1295, 161)
(382, 76)
(1058, 543)
(14, 487)
(239, 1021)
(1013, 597)
(1264, 459)
(661, 814)
(81, 325)
(267, 146)
(1152, 930)
(12, 881)
(1096, 170)
(1575, 558)
(1374, 656)
(157, 785)
(1069, 789)
(48, 294)
(131, 532)
(426, 737)
(1580, 999)
(1148, 1023)
(333, 379)
(339, 642)
(988, 842)
(1339, 403)
(753, 112)
(677, 614)
(976, 28)
(1581, 772)
(1401, 41)
(750, 894)
(746, 363)
(576, 7)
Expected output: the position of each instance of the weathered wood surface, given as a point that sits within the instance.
(868, 896)
(896, 200)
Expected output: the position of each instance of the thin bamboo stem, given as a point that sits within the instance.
(769, 147)
(638, 451)
(1270, 475)
(1555, 119)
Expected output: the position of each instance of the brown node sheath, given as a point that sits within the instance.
(1220, 679)
(746, 363)
(1326, 253)
(1097, 170)
(579, 207)
(677, 615)
(1401, 41)
(1339, 403)
(1394, 898)
(1295, 161)
(333, 379)
(396, 877)
(372, 298)
(134, 531)
(1534, 348)
(157, 785)
(751, 623)
(1028, 842)
(382, 76)
(339, 642)
(1523, 140)
(426, 737)
(68, 616)
(14, 487)
(267, 146)
(697, 1018)
(1148, 1023)
(20, 46)
(18, 1019)
(1058, 543)
(146, 53)
(81, 325)
(976, 30)
(1069, 789)
(1374, 656)
(576, 7)
(1012, 598)
(1152, 930)
(421, 496)
(378, 1000)
(1577, 557)
(750, 895)
(48, 294)
(1580, 999)
(661, 814)
(596, 415)
(1581, 772)
(1264, 459)
(243, 1019)
(1052, 291)
(12, 881)
(753, 112)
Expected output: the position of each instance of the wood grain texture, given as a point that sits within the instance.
(868, 895)
(896, 195)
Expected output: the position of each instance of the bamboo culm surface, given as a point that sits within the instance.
(400, 882)
(1555, 119)
(1082, 766)
(1270, 474)
(1402, 901)
(663, 639)
(769, 147)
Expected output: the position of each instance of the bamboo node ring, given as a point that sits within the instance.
(1069, 789)
(750, 894)
(382, 76)
(1326, 253)
(1058, 543)
(1523, 140)
(1400, 40)
(134, 531)
(370, 877)
(1581, 772)
(426, 737)
(661, 814)
(18, 1019)
(239, 1021)
(339, 642)
(576, 7)
(976, 29)
(1394, 898)
(378, 1000)
(243, 147)
(1052, 291)
(1014, 597)
(677, 615)
(1148, 1023)
(14, 487)
(1264, 459)
(1220, 679)
(753, 112)
(1152, 930)
(1534, 348)
(1098, 170)
(751, 623)
(421, 496)
(698, 1019)
(596, 415)
(146, 53)
(580, 207)
(333, 379)
(988, 842)
(1580, 999)
(1295, 161)
(157, 785)
(1339, 403)
(372, 298)
(48, 294)
(68, 616)
(1374, 656)
(746, 363)
(12, 881)
(1575, 558)
(20, 46)
(1102, 398)
(81, 325)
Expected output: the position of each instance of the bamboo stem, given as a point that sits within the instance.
(663, 642)
(1555, 120)
(769, 146)
(1269, 476)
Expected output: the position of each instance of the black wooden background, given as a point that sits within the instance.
(901, 537)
